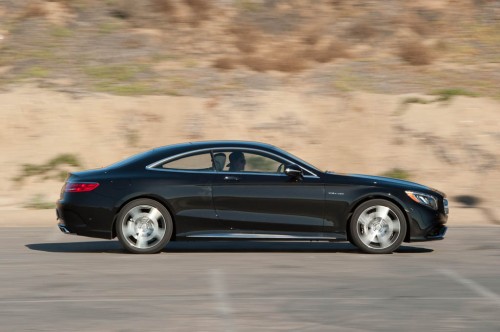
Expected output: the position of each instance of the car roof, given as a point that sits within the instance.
(184, 147)
(158, 153)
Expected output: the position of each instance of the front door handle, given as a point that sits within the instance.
(231, 178)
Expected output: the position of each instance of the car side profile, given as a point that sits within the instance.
(224, 190)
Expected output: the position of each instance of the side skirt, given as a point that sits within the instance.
(253, 236)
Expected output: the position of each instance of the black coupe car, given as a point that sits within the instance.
(246, 191)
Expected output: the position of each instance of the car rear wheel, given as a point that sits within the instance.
(378, 227)
(144, 226)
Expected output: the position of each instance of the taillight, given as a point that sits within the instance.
(80, 187)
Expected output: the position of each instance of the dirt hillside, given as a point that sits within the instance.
(451, 145)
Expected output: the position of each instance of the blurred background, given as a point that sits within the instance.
(406, 89)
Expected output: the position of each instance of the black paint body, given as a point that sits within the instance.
(321, 203)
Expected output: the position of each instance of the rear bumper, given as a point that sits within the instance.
(61, 224)
(63, 228)
(85, 222)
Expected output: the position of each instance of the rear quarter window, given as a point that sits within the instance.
(198, 162)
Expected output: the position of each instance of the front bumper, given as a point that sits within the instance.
(437, 233)
(427, 224)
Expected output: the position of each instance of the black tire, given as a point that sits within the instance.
(144, 226)
(377, 227)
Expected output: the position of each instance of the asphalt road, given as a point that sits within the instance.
(55, 282)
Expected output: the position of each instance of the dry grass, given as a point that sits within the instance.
(245, 46)
(199, 6)
(416, 53)
(362, 31)
(334, 50)
(133, 42)
(257, 63)
(33, 9)
(224, 63)
(125, 10)
(200, 9)
(420, 27)
(281, 55)
(247, 37)
(290, 63)
(312, 37)
(165, 7)
(171, 10)
(264, 35)
(282, 60)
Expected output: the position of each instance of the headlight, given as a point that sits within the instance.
(425, 199)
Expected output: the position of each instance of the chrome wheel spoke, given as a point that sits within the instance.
(364, 220)
(135, 212)
(158, 233)
(382, 212)
(154, 214)
(142, 242)
(130, 229)
(394, 227)
(368, 237)
(384, 241)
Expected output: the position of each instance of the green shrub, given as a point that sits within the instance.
(416, 100)
(38, 202)
(397, 173)
(447, 94)
(52, 169)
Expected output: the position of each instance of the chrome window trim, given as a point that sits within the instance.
(153, 165)
(181, 171)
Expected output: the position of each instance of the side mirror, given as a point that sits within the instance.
(293, 171)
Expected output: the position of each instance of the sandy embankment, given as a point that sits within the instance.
(452, 147)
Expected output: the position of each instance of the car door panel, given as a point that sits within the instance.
(269, 202)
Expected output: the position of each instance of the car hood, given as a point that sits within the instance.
(389, 182)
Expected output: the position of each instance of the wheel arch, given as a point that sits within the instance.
(383, 196)
(153, 197)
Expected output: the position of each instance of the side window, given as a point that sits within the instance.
(242, 161)
(198, 162)
(258, 163)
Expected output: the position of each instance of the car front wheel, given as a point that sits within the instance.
(378, 227)
(144, 226)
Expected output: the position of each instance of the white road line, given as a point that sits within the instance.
(222, 299)
(224, 308)
(472, 285)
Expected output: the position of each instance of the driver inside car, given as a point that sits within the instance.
(236, 162)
